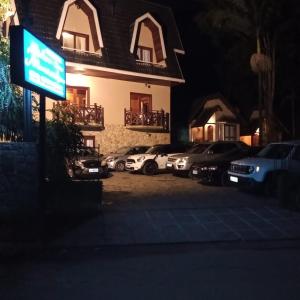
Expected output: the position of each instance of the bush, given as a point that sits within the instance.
(62, 140)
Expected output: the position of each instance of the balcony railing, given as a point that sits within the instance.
(157, 118)
(86, 115)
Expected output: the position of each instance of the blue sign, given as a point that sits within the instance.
(43, 67)
(36, 66)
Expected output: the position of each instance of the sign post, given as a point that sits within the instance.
(36, 67)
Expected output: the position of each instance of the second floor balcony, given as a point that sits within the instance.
(89, 117)
(154, 118)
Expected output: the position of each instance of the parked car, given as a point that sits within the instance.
(216, 171)
(116, 160)
(194, 149)
(154, 159)
(264, 170)
(87, 164)
(215, 151)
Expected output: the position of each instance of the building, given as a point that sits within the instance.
(121, 64)
(214, 119)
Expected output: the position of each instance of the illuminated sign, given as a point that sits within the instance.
(35, 66)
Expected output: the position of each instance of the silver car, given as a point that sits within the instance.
(214, 151)
(116, 160)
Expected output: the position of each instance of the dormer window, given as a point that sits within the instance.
(79, 27)
(75, 40)
(147, 42)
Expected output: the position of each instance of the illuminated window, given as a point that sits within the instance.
(75, 40)
(145, 54)
(78, 96)
(89, 141)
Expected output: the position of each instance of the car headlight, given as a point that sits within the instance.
(110, 159)
(203, 168)
(183, 160)
(141, 158)
(213, 168)
(79, 163)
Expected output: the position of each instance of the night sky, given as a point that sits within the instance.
(200, 63)
(196, 64)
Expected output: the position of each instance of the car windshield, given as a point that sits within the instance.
(154, 150)
(87, 152)
(123, 150)
(198, 148)
(275, 151)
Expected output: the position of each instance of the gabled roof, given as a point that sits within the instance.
(199, 110)
(116, 19)
(89, 6)
(159, 31)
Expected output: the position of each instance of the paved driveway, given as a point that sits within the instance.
(139, 209)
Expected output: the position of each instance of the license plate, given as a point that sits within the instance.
(195, 172)
(96, 170)
(234, 179)
(169, 165)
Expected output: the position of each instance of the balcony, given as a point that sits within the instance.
(155, 118)
(88, 117)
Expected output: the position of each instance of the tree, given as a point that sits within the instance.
(11, 102)
(258, 25)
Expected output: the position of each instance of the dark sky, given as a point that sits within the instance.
(196, 64)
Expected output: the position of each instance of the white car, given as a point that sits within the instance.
(264, 169)
(154, 159)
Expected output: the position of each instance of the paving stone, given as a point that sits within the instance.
(248, 235)
(260, 224)
(216, 226)
(273, 234)
(238, 225)
(226, 236)
(203, 219)
(264, 213)
(186, 219)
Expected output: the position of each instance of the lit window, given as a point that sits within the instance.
(74, 40)
(144, 54)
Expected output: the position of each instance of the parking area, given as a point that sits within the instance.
(125, 191)
(139, 209)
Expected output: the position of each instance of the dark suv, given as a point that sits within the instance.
(87, 164)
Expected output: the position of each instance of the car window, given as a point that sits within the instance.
(275, 151)
(87, 152)
(141, 149)
(156, 149)
(198, 148)
(222, 148)
(123, 150)
(177, 149)
(296, 155)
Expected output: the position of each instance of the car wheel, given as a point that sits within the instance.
(120, 166)
(190, 173)
(150, 168)
(224, 179)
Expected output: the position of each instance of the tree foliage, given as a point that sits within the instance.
(11, 102)
(254, 29)
(63, 139)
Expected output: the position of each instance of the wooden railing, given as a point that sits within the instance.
(86, 115)
(156, 118)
